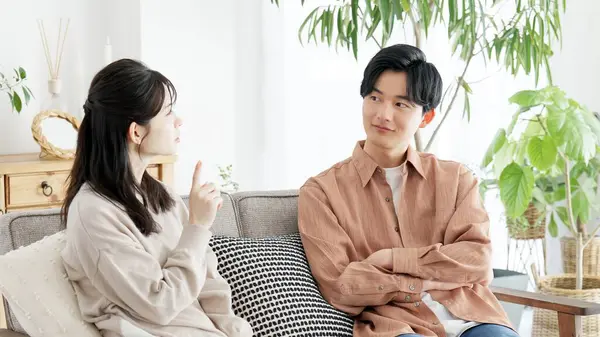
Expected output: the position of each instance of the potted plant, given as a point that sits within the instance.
(11, 83)
(554, 161)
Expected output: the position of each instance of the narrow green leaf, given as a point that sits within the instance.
(354, 32)
(324, 24)
(17, 75)
(384, 9)
(330, 21)
(466, 86)
(26, 95)
(10, 97)
(497, 143)
(22, 73)
(17, 103)
(308, 19)
(516, 188)
(467, 107)
(542, 152)
(340, 24)
(552, 226)
(397, 9)
(374, 24)
(406, 5)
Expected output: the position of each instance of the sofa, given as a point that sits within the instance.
(260, 255)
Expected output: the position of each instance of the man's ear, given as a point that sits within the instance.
(427, 118)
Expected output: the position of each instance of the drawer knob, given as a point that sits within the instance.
(47, 189)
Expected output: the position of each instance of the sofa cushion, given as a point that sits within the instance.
(34, 282)
(273, 288)
(263, 214)
(21, 229)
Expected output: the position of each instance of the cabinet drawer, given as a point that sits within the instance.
(35, 189)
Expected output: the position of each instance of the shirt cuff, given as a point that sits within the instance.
(404, 261)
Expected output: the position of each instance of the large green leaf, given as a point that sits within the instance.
(497, 143)
(581, 206)
(542, 152)
(516, 188)
(580, 141)
(526, 98)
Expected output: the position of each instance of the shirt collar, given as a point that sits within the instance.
(366, 166)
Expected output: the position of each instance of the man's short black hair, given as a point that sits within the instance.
(424, 84)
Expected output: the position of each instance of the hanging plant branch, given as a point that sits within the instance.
(522, 44)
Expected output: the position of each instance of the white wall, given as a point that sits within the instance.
(20, 45)
(193, 47)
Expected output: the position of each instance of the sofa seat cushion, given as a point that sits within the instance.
(273, 288)
(35, 284)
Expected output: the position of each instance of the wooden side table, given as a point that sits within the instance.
(28, 182)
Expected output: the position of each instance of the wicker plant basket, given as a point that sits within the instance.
(591, 256)
(545, 322)
(532, 232)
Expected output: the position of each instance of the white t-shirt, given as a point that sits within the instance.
(453, 326)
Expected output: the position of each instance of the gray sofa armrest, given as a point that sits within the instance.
(10, 333)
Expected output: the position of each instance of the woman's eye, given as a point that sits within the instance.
(401, 105)
(374, 98)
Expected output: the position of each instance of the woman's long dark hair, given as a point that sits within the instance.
(124, 92)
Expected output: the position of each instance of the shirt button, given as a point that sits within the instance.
(397, 229)
(417, 304)
(381, 287)
(411, 287)
(407, 298)
(387, 199)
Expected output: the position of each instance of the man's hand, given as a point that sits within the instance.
(437, 285)
(382, 258)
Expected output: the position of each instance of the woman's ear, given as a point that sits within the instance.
(427, 118)
(135, 133)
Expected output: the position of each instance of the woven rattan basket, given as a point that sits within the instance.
(591, 256)
(533, 231)
(545, 322)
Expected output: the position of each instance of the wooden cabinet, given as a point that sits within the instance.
(28, 182)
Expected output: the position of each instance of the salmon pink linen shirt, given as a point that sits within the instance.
(440, 231)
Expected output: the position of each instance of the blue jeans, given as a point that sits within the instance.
(483, 330)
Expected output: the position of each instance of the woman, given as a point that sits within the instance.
(140, 265)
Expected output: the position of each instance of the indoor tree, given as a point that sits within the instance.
(476, 28)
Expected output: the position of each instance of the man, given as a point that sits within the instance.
(397, 238)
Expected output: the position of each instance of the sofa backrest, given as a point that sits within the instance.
(247, 214)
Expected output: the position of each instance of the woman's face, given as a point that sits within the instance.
(161, 135)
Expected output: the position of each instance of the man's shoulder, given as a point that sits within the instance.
(435, 165)
(343, 168)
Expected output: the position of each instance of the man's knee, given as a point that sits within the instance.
(490, 330)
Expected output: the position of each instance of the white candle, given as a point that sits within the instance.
(107, 52)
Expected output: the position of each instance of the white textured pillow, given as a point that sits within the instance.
(35, 284)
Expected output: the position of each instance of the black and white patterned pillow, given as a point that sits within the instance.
(274, 290)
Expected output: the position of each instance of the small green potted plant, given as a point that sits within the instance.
(11, 83)
(227, 183)
(553, 161)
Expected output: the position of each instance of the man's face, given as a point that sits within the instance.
(389, 117)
